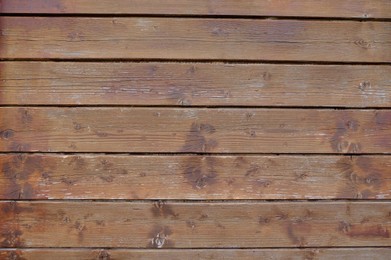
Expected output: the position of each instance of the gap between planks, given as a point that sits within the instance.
(333, 9)
(200, 61)
(233, 17)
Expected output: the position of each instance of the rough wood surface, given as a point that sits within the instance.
(194, 225)
(178, 38)
(168, 164)
(199, 84)
(303, 8)
(195, 130)
(194, 177)
(210, 254)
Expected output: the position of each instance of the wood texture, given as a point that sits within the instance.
(198, 84)
(195, 130)
(303, 8)
(194, 225)
(210, 254)
(194, 177)
(178, 38)
(218, 178)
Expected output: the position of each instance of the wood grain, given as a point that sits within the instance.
(194, 84)
(194, 225)
(179, 38)
(41, 176)
(169, 130)
(211, 254)
(304, 8)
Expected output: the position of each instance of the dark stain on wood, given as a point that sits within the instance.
(263, 220)
(80, 228)
(77, 162)
(383, 119)
(77, 126)
(178, 95)
(100, 222)
(341, 141)
(311, 254)
(160, 237)
(101, 134)
(297, 229)
(10, 232)
(253, 170)
(7, 134)
(108, 178)
(363, 230)
(25, 115)
(11, 238)
(161, 209)
(204, 216)
(291, 235)
(219, 225)
(363, 44)
(23, 120)
(280, 215)
(106, 165)
(383, 122)
(63, 217)
(13, 255)
(200, 171)
(191, 224)
(363, 178)
(68, 181)
(104, 255)
(364, 86)
(240, 162)
(197, 139)
(22, 173)
(14, 208)
(19, 147)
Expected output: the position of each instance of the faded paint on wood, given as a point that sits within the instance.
(211, 254)
(25, 176)
(212, 39)
(199, 84)
(194, 225)
(198, 130)
(304, 8)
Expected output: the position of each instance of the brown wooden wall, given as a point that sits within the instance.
(233, 129)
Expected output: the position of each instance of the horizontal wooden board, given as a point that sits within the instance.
(198, 130)
(211, 254)
(39, 176)
(198, 84)
(194, 225)
(303, 8)
(181, 38)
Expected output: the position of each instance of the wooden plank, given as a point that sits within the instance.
(194, 177)
(212, 254)
(194, 225)
(199, 84)
(304, 8)
(198, 130)
(182, 38)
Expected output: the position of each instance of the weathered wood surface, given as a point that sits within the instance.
(194, 225)
(178, 38)
(303, 8)
(198, 84)
(195, 130)
(158, 169)
(194, 177)
(211, 254)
